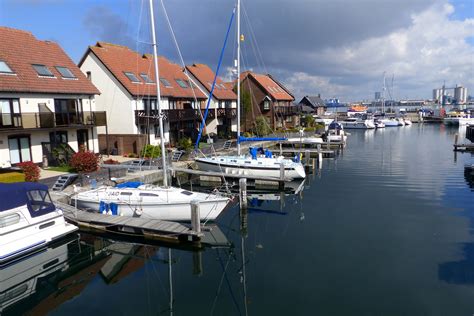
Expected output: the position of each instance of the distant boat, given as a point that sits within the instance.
(357, 109)
(458, 118)
(335, 133)
(357, 123)
(29, 220)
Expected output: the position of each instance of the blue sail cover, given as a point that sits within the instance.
(335, 125)
(129, 184)
(242, 139)
(14, 195)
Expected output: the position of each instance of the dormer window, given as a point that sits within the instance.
(4, 68)
(146, 78)
(266, 103)
(65, 72)
(165, 82)
(42, 70)
(181, 83)
(131, 76)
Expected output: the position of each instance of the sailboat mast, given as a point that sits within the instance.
(383, 94)
(238, 77)
(158, 94)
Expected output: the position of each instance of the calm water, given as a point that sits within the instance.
(386, 228)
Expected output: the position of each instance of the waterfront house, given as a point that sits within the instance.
(223, 104)
(315, 103)
(127, 82)
(268, 98)
(46, 102)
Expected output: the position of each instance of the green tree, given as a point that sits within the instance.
(261, 126)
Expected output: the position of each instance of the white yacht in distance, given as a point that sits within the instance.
(458, 118)
(29, 221)
(357, 123)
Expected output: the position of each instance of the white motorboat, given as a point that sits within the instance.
(458, 118)
(257, 165)
(335, 133)
(379, 124)
(149, 201)
(357, 123)
(29, 221)
(154, 202)
(390, 122)
(253, 165)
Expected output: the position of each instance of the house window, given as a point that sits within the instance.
(131, 76)
(19, 147)
(172, 104)
(165, 82)
(10, 115)
(146, 78)
(68, 111)
(228, 104)
(266, 104)
(58, 137)
(4, 68)
(181, 83)
(65, 72)
(156, 130)
(150, 105)
(89, 75)
(42, 70)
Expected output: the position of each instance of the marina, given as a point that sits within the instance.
(212, 158)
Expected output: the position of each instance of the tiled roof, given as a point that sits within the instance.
(314, 100)
(120, 59)
(206, 76)
(20, 49)
(272, 88)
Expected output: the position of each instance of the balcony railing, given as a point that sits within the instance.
(142, 117)
(226, 113)
(287, 110)
(50, 120)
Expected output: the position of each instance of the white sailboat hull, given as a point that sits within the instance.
(241, 165)
(171, 204)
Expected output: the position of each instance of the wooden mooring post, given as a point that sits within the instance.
(281, 183)
(195, 216)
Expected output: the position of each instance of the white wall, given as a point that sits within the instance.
(113, 98)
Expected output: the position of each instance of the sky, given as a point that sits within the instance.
(336, 48)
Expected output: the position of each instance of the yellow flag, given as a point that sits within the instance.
(242, 37)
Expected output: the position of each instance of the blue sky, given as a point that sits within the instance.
(313, 46)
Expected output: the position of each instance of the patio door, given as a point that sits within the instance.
(19, 149)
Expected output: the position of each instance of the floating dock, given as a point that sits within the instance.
(131, 226)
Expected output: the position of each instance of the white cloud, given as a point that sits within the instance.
(432, 49)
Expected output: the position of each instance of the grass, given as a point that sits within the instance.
(12, 176)
(62, 169)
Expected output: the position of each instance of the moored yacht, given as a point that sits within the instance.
(357, 123)
(29, 221)
(150, 201)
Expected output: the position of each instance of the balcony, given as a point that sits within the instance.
(141, 116)
(226, 113)
(35, 120)
(287, 110)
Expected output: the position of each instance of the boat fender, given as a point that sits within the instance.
(138, 211)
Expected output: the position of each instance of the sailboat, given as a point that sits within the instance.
(148, 201)
(388, 122)
(254, 164)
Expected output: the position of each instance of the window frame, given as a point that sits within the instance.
(165, 83)
(50, 75)
(131, 76)
(146, 78)
(181, 83)
(69, 76)
(11, 72)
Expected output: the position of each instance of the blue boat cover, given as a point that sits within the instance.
(14, 195)
(129, 184)
(335, 125)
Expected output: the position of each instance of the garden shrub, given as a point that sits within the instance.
(30, 170)
(151, 151)
(85, 161)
